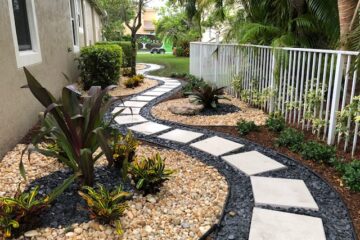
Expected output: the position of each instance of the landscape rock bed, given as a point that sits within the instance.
(182, 208)
(235, 222)
(227, 113)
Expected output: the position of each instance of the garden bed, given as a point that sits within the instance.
(224, 115)
(183, 207)
(121, 90)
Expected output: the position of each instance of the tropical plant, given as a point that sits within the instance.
(350, 112)
(20, 209)
(351, 175)
(105, 206)
(207, 95)
(149, 173)
(133, 82)
(100, 65)
(75, 123)
(276, 122)
(318, 152)
(291, 138)
(123, 148)
(192, 83)
(245, 127)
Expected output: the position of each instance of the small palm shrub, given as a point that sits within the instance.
(105, 206)
(192, 83)
(245, 127)
(207, 95)
(318, 152)
(124, 148)
(100, 65)
(351, 174)
(24, 206)
(276, 122)
(134, 81)
(149, 173)
(290, 138)
(75, 124)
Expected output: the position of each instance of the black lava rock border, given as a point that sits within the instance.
(332, 210)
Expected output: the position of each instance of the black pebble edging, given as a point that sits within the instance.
(332, 210)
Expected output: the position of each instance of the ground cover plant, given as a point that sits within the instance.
(245, 127)
(134, 81)
(291, 138)
(99, 65)
(318, 152)
(275, 122)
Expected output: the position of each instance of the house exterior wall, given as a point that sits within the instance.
(18, 108)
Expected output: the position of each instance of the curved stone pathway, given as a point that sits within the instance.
(273, 197)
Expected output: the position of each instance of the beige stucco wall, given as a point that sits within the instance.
(149, 14)
(18, 108)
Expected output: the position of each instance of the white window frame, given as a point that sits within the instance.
(80, 15)
(76, 46)
(32, 56)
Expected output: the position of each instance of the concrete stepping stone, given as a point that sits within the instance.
(181, 136)
(143, 98)
(282, 192)
(216, 145)
(253, 162)
(152, 93)
(149, 128)
(169, 87)
(134, 104)
(127, 110)
(129, 119)
(275, 225)
(159, 89)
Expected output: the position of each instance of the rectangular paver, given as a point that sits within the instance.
(129, 119)
(276, 225)
(152, 93)
(216, 145)
(143, 98)
(149, 128)
(160, 89)
(134, 104)
(128, 110)
(282, 192)
(253, 162)
(181, 136)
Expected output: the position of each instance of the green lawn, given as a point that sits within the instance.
(170, 62)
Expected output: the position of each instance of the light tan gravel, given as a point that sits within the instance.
(185, 208)
(121, 90)
(247, 112)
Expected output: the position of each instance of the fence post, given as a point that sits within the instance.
(200, 61)
(272, 83)
(335, 98)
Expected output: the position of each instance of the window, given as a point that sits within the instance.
(76, 22)
(25, 33)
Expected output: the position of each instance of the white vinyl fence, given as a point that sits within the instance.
(312, 88)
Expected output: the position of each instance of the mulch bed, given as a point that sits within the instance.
(267, 138)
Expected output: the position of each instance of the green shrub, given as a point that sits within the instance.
(100, 65)
(245, 127)
(192, 83)
(75, 124)
(134, 81)
(207, 95)
(149, 173)
(351, 175)
(126, 48)
(318, 152)
(276, 122)
(291, 138)
(106, 207)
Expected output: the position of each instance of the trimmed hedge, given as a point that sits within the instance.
(126, 48)
(100, 65)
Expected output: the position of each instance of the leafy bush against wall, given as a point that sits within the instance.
(126, 48)
(100, 65)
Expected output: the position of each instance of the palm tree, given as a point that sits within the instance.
(347, 14)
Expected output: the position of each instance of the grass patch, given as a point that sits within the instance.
(170, 62)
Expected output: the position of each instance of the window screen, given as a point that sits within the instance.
(22, 25)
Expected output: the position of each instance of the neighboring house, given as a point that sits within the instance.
(45, 36)
(148, 17)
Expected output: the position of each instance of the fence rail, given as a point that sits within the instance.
(314, 89)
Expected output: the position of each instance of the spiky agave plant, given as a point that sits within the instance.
(106, 206)
(75, 124)
(207, 95)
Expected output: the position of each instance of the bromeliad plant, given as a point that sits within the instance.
(75, 124)
(207, 95)
(104, 206)
(149, 173)
(21, 208)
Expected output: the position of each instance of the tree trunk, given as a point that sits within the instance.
(346, 12)
(133, 55)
